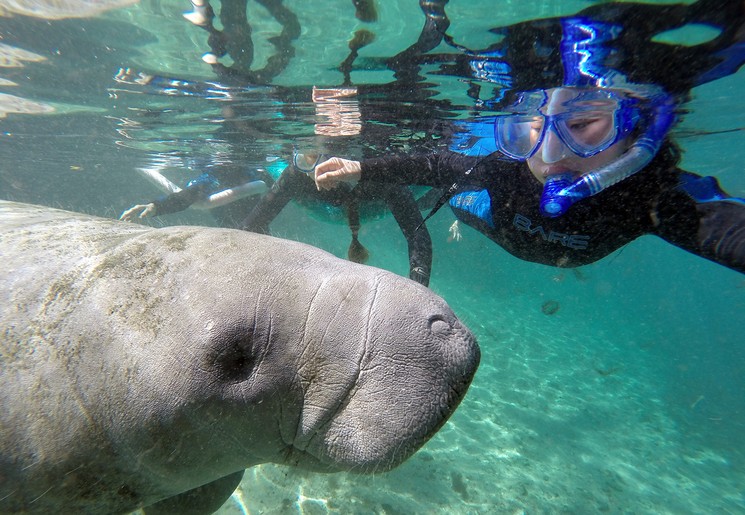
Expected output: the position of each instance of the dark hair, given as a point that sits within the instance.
(664, 164)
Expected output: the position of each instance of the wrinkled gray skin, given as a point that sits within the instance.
(138, 363)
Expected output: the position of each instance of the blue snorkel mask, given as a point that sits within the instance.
(560, 192)
(597, 95)
(589, 122)
(611, 49)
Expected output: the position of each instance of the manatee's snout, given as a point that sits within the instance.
(417, 364)
(412, 390)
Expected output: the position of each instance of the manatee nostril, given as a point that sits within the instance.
(438, 325)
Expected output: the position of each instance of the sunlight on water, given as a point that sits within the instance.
(60, 9)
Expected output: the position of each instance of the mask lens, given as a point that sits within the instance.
(586, 123)
(305, 162)
(589, 132)
(518, 136)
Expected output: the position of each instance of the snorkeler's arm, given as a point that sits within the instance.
(291, 184)
(721, 233)
(437, 169)
(172, 203)
(712, 229)
(335, 170)
(138, 211)
(180, 200)
(403, 205)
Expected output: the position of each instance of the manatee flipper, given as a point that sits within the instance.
(202, 500)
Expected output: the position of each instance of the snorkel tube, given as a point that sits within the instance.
(559, 193)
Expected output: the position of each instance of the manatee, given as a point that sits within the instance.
(146, 367)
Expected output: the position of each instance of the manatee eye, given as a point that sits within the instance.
(232, 360)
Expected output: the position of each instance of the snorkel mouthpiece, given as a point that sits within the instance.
(560, 193)
(553, 202)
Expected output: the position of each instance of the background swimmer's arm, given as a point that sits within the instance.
(139, 211)
(292, 183)
(403, 205)
(181, 200)
(172, 203)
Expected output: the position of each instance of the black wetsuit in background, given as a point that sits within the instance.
(296, 185)
(661, 200)
(217, 178)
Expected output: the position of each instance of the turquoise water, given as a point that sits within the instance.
(629, 399)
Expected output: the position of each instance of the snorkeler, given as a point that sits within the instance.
(583, 160)
(341, 118)
(338, 117)
(227, 190)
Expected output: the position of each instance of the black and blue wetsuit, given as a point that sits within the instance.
(212, 181)
(501, 199)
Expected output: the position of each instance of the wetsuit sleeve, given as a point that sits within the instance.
(714, 230)
(180, 200)
(721, 233)
(441, 169)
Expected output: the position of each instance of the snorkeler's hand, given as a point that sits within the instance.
(140, 211)
(335, 170)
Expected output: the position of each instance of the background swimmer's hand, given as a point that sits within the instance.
(335, 170)
(140, 210)
(454, 231)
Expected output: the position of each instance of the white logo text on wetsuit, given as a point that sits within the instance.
(572, 241)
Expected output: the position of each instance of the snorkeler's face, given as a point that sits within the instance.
(588, 127)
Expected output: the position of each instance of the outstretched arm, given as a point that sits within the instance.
(172, 203)
(336, 170)
(721, 233)
(704, 220)
(138, 211)
(440, 169)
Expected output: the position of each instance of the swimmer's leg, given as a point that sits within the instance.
(403, 205)
(356, 252)
(291, 184)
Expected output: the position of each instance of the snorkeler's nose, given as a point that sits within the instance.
(552, 148)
